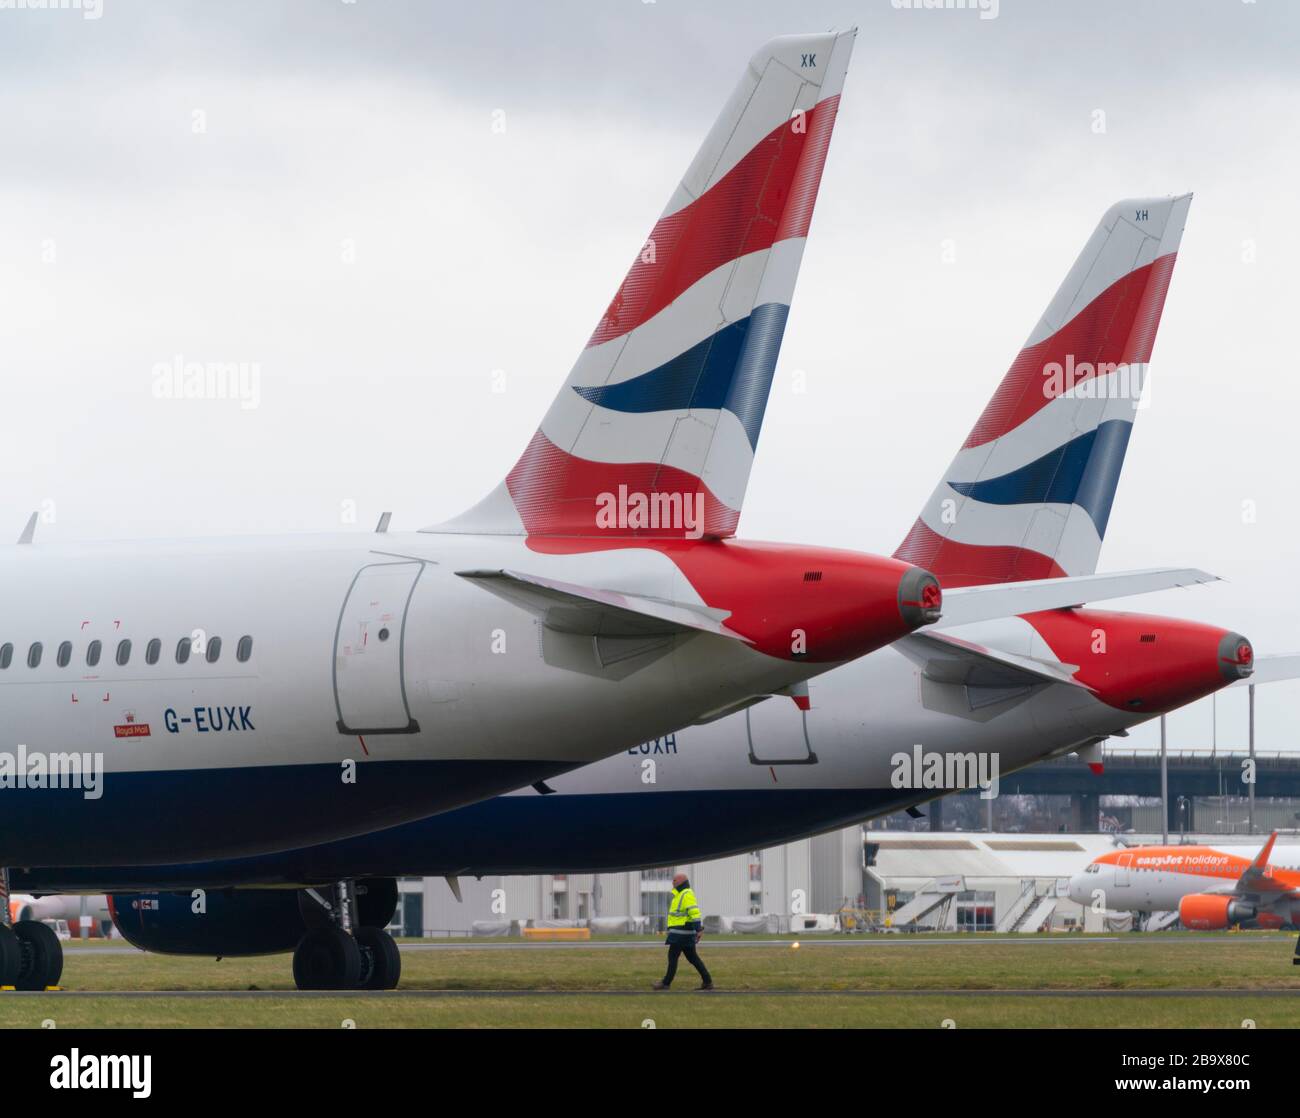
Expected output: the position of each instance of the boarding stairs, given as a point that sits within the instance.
(935, 892)
(1021, 905)
(1038, 916)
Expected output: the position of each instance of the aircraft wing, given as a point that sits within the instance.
(947, 659)
(1272, 669)
(965, 604)
(587, 611)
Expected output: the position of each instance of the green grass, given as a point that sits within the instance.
(916, 980)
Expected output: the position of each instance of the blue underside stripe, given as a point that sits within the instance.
(525, 834)
(729, 370)
(182, 815)
(1084, 472)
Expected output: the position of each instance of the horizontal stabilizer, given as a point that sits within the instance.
(947, 659)
(967, 604)
(1272, 669)
(587, 611)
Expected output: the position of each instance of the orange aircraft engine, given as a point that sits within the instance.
(1208, 911)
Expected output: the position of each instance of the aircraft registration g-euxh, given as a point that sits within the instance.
(192, 700)
(1015, 692)
(1210, 887)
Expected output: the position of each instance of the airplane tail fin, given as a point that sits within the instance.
(1029, 494)
(653, 433)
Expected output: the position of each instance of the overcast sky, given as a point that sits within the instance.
(326, 190)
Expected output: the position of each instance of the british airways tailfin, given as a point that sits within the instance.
(1029, 494)
(661, 413)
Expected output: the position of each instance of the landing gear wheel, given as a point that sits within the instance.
(11, 956)
(381, 962)
(327, 959)
(41, 954)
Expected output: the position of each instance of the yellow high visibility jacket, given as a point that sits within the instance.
(683, 909)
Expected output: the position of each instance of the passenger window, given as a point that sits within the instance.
(93, 649)
(123, 652)
(34, 655)
(152, 651)
(214, 649)
(183, 650)
(64, 656)
(6, 655)
(244, 649)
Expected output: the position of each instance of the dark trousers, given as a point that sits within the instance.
(687, 948)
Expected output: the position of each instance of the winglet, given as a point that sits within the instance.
(1256, 878)
(1261, 859)
(29, 533)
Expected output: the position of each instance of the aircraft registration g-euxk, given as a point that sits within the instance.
(1037, 468)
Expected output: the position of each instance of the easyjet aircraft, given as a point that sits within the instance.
(1038, 467)
(191, 700)
(1208, 886)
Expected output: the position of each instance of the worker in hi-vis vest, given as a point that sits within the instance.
(685, 927)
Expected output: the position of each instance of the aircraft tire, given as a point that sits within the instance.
(382, 962)
(327, 959)
(41, 955)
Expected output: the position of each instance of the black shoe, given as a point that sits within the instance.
(706, 985)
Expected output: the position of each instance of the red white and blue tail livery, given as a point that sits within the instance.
(1029, 494)
(654, 432)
